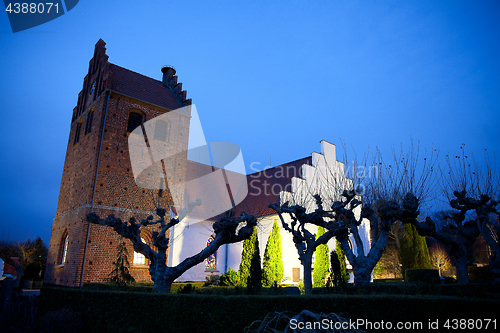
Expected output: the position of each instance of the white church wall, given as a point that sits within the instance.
(190, 236)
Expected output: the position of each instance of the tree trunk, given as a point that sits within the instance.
(362, 275)
(19, 272)
(160, 274)
(162, 284)
(462, 269)
(495, 269)
(307, 263)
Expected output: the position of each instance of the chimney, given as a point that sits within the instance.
(168, 74)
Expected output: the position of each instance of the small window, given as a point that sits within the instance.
(63, 248)
(88, 125)
(134, 120)
(77, 132)
(161, 130)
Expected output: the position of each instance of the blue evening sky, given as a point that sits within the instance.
(275, 77)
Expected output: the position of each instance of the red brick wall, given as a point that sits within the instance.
(115, 192)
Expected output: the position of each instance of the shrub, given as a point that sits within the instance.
(413, 251)
(343, 278)
(230, 278)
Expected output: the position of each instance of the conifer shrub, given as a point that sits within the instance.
(120, 275)
(413, 252)
(321, 262)
(250, 269)
(273, 270)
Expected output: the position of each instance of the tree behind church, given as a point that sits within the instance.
(273, 270)
(27, 252)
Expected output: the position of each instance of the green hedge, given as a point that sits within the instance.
(177, 287)
(118, 311)
(422, 275)
(476, 290)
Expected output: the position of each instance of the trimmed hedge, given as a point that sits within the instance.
(115, 311)
(422, 275)
(177, 287)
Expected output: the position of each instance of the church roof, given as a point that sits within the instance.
(142, 87)
(264, 187)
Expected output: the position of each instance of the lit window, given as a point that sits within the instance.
(139, 258)
(63, 251)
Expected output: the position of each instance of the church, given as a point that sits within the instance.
(120, 122)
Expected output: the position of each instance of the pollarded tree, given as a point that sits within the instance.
(228, 229)
(413, 251)
(250, 259)
(393, 194)
(469, 188)
(120, 275)
(459, 235)
(381, 217)
(304, 240)
(321, 262)
(273, 270)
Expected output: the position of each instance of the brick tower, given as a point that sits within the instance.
(97, 171)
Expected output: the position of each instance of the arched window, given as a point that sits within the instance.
(134, 120)
(77, 132)
(161, 130)
(146, 237)
(139, 258)
(211, 262)
(88, 125)
(63, 248)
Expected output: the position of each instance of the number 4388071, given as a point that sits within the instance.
(33, 8)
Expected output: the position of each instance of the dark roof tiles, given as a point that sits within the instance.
(142, 87)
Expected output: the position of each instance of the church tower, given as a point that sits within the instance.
(97, 173)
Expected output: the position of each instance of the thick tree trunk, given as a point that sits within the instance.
(462, 269)
(160, 274)
(362, 275)
(307, 275)
(495, 269)
(162, 284)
